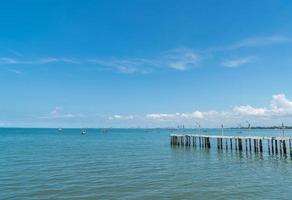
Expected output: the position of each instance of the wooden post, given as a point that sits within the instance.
(226, 145)
(261, 146)
(290, 148)
(249, 144)
(276, 146)
(280, 144)
(254, 145)
(231, 143)
(272, 142)
(206, 145)
(269, 148)
(240, 144)
(245, 144)
(221, 143)
(284, 148)
(209, 143)
(200, 142)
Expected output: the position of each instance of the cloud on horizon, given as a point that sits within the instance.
(280, 108)
(58, 113)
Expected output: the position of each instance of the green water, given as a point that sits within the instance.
(133, 164)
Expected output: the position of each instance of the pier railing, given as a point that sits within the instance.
(273, 145)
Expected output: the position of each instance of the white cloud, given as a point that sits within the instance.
(233, 63)
(121, 117)
(280, 105)
(181, 116)
(249, 110)
(161, 116)
(280, 108)
(57, 113)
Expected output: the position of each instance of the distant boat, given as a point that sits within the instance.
(83, 132)
(104, 130)
(60, 129)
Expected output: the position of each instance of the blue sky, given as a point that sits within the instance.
(145, 63)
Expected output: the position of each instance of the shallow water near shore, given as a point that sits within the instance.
(134, 164)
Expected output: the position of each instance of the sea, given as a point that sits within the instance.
(135, 164)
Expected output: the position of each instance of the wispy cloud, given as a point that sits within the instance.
(261, 41)
(58, 113)
(233, 63)
(251, 42)
(39, 61)
(15, 71)
(180, 59)
(127, 66)
(177, 59)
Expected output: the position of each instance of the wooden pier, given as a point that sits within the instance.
(272, 145)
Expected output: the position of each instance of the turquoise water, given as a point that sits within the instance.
(133, 164)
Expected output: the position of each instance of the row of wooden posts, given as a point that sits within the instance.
(273, 145)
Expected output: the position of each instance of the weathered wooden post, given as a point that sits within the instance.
(284, 147)
(230, 143)
(240, 144)
(269, 148)
(281, 146)
(254, 145)
(276, 146)
(290, 148)
(200, 142)
(261, 146)
(272, 142)
(209, 143)
(246, 144)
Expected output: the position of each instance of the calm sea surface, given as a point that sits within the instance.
(133, 164)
